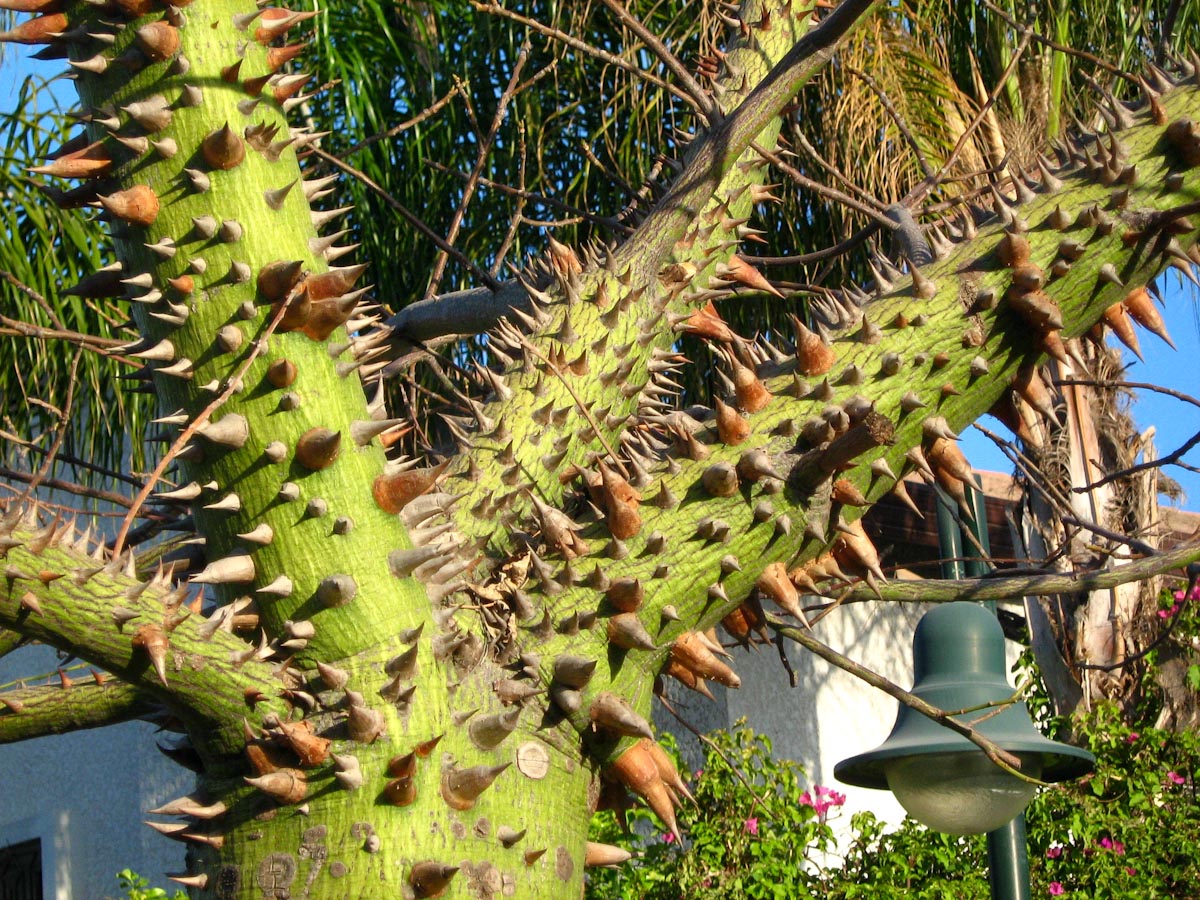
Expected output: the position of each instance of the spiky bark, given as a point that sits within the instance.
(444, 664)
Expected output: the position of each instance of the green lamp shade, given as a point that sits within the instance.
(940, 777)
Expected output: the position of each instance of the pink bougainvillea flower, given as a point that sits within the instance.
(834, 798)
(751, 825)
(1118, 848)
(668, 838)
(1054, 852)
(826, 799)
(1176, 778)
(1132, 737)
(1130, 870)
(1056, 889)
(1106, 842)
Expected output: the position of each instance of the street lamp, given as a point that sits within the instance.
(942, 779)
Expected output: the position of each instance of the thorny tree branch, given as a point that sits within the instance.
(1000, 586)
(54, 709)
(477, 310)
(724, 144)
(56, 591)
(10, 641)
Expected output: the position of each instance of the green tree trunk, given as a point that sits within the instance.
(423, 679)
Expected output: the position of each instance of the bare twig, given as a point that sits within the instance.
(823, 190)
(1170, 458)
(420, 117)
(407, 214)
(1028, 32)
(575, 43)
(91, 466)
(1131, 542)
(1001, 757)
(197, 423)
(1050, 493)
(514, 221)
(524, 195)
(801, 139)
(709, 742)
(60, 433)
(485, 148)
(921, 190)
(836, 250)
(895, 116)
(35, 297)
(17, 328)
(696, 95)
(68, 487)
(1001, 586)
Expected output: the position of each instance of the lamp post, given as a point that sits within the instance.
(940, 777)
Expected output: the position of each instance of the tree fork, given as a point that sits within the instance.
(430, 699)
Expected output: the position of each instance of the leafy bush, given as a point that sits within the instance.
(1130, 829)
(135, 887)
(753, 832)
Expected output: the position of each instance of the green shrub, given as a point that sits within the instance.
(753, 832)
(135, 887)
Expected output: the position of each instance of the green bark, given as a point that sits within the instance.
(503, 631)
(58, 709)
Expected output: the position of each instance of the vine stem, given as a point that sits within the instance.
(189, 432)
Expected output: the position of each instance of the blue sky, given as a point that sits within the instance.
(1175, 422)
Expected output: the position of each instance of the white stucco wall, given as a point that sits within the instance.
(85, 795)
